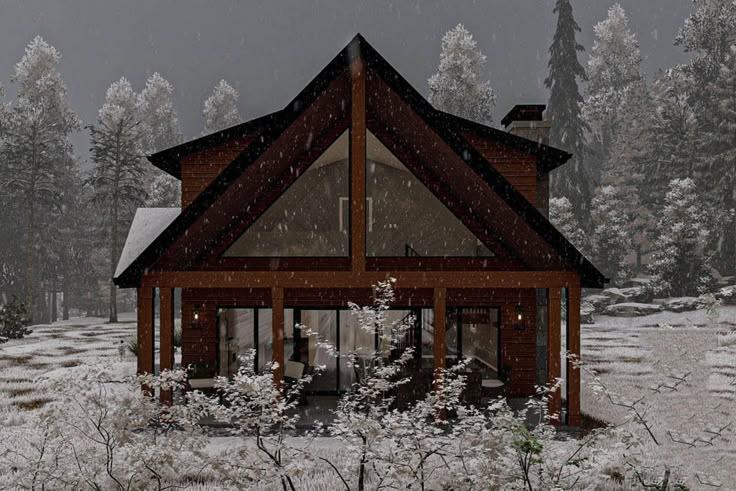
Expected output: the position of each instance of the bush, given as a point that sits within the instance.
(133, 345)
(14, 321)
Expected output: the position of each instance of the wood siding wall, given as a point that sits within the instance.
(518, 348)
(199, 169)
(519, 168)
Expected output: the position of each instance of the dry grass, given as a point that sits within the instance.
(32, 404)
(19, 359)
(20, 391)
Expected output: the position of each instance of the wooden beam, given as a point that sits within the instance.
(440, 324)
(573, 347)
(277, 335)
(145, 332)
(166, 338)
(357, 167)
(554, 318)
(353, 279)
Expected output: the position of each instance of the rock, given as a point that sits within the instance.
(598, 302)
(638, 294)
(614, 295)
(632, 309)
(586, 313)
(681, 304)
(727, 295)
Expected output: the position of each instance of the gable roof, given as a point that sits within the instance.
(446, 126)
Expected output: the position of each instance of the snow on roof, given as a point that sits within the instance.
(148, 224)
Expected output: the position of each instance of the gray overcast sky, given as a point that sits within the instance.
(269, 49)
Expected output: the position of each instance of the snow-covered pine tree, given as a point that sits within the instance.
(708, 33)
(680, 263)
(716, 167)
(562, 215)
(613, 66)
(36, 139)
(117, 177)
(160, 131)
(457, 87)
(610, 241)
(632, 151)
(221, 108)
(572, 180)
(676, 130)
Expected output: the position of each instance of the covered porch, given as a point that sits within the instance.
(513, 337)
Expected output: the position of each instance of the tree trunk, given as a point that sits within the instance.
(65, 299)
(113, 256)
(30, 228)
(54, 315)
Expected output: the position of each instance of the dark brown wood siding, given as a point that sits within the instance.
(519, 168)
(199, 169)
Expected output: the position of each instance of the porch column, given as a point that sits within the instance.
(166, 339)
(573, 346)
(145, 332)
(277, 325)
(554, 344)
(440, 321)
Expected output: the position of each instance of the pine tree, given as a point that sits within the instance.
(611, 241)
(632, 152)
(680, 264)
(117, 178)
(160, 131)
(36, 140)
(716, 168)
(572, 180)
(221, 108)
(708, 33)
(562, 215)
(613, 66)
(457, 88)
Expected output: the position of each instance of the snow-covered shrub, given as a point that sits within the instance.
(14, 320)
(257, 410)
(104, 433)
(680, 264)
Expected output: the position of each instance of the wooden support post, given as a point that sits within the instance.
(573, 346)
(145, 332)
(554, 346)
(277, 309)
(357, 167)
(166, 338)
(440, 322)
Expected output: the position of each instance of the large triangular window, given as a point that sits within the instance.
(311, 218)
(404, 218)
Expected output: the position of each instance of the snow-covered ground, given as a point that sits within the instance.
(684, 367)
(649, 357)
(52, 351)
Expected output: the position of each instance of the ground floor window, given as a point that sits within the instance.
(472, 333)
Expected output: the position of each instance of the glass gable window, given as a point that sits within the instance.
(405, 219)
(310, 218)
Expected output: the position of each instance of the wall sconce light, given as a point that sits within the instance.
(195, 317)
(520, 325)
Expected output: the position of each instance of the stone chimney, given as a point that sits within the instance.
(525, 120)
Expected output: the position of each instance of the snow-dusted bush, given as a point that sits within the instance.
(14, 320)
(104, 433)
(680, 264)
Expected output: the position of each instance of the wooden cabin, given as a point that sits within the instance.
(288, 217)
